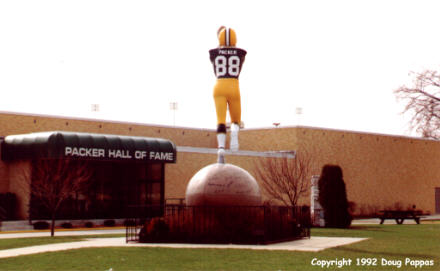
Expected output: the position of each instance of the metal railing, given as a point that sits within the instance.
(217, 224)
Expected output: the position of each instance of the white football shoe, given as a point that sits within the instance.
(221, 141)
(234, 137)
(221, 156)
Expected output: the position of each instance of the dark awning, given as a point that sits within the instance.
(58, 144)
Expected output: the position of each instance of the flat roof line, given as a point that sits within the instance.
(273, 154)
(360, 132)
(109, 121)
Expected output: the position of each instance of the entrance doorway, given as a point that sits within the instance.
(118, 185)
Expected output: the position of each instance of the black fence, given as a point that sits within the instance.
(217, 224)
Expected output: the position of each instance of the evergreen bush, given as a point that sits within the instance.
(333, 197)
(41, 225)
(67, 225)
(109, 223)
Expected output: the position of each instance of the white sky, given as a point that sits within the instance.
(338, 60)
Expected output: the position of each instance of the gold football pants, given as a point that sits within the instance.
(227, 94)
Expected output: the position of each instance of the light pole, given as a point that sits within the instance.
(173, 106)
(298, 112)
(95, 107)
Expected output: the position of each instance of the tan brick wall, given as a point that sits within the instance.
(273, 139)
(379, 170)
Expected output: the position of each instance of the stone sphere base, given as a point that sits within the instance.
(222, 185)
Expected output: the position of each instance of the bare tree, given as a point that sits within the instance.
(56, 180)
(285, 179)
(423, 101)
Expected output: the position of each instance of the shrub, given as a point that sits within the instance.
(41, 225)
(109, 223)
(333, 197)
(88, 224)
(8, 202)
(158, 226)
(155, 230)
(66, 225)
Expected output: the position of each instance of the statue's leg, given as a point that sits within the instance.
(234, 137)
(235, 111)
(221, 107)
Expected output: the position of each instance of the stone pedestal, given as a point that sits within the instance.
(223, 185)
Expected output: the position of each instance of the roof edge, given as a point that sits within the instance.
(102, 120)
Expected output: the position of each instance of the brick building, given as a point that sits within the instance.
(380, 171)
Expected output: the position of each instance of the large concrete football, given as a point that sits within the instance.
(222, 185)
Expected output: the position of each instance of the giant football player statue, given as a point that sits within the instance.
(227, 61)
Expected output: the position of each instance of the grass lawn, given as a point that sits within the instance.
(389, 242)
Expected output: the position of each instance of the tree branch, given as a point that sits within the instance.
(423, 102)
(285, 180)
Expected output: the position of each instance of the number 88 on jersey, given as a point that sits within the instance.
(227, 61)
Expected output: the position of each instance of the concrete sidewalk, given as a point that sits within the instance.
(58, 232)
(314, 244)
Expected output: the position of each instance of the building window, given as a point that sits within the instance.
(113, 187)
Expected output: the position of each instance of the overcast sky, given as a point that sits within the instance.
(337, 60)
